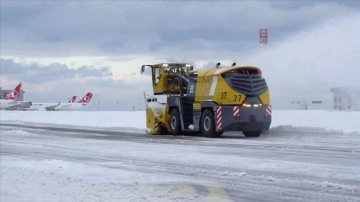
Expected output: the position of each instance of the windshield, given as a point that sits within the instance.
(174, 69)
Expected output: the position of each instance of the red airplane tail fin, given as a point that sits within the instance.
(72, 100)
(86, 98)
(15, 93)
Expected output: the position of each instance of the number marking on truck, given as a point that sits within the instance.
(237, 98)
(223, 95)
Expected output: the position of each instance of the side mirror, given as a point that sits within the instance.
(142, 69)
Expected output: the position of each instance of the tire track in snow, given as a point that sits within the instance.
(259, 185)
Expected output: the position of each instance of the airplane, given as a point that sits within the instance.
(11, 99)
(48, 106)
(75, 105)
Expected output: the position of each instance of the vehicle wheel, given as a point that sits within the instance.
(207, 124)
(252, 133)
(175, 123)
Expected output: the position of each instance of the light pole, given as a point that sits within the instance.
(139, 104)
(117, 105)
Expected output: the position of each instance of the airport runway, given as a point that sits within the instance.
(57, 164)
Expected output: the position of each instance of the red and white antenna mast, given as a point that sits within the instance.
(263, 34)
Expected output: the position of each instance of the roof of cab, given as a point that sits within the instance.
(216, 71)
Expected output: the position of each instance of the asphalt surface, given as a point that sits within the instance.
(277, 166)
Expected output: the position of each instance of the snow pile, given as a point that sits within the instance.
(291, 128)
(316, 121)
(156, 107)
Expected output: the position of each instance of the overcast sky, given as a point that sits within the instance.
(65, 48)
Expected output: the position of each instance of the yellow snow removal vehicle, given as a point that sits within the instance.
(207, 101)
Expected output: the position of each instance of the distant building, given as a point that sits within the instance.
(346, 99)
(297, 104)
(308, 104)
(318, 104)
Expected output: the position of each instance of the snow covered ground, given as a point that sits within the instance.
(135, 121)
(306, 156)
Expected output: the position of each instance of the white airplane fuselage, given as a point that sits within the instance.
(5, 104)
(44, 106)
(70, 106)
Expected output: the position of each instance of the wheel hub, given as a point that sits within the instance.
(206, 123)
(173, 123)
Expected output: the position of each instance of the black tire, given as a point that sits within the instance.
(252, 133)
(207, 124)
(175, 123)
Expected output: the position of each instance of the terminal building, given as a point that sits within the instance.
(346, 99)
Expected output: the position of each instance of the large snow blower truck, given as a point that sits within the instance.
(207, 101)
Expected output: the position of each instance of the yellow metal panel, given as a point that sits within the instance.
(150, 121)
(225, 95)
(199, 88)
(196, 106)
(156, 115)
(203, 88)
(265, 97)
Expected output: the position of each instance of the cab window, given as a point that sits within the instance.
(156, 75)
(191, 89)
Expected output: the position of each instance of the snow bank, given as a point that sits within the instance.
(317, 120)
(119, 119)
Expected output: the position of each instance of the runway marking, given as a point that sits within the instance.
(217, 193)
(169, 191)
(183, 190)
(213, 192)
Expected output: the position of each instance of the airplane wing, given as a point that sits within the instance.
(52, 107)
(64, 106)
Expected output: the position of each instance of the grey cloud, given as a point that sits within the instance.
(55, 71)
(208, 31)
(296, 4)
(112, 28)
(57, 82)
